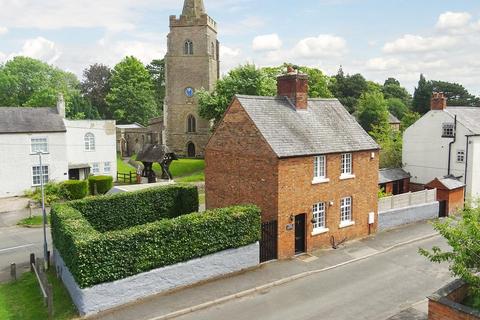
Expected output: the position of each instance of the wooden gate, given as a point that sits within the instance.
(268, 243)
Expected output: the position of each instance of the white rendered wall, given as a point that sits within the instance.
(16, 161)
(473, 170)
(105, 144)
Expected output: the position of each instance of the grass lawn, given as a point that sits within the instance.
(33, 221)
(185, 170)
(22, 300)
(123, 167)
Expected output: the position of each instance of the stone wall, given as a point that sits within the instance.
(105, 296)
(397, 217)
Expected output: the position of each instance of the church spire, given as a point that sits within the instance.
(193, 8)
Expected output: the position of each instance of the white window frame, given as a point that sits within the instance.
(448, 127)
(461, 156)
(89, 140)
(46, 176)
(346, 215)
(34, 143)
(95, 168)
(320, 169)
(346, 166)
(107, 167)
(319, 213)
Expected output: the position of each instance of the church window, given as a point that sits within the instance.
(191, 124)
(188, 47)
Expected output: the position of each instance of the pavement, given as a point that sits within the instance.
(374, 278)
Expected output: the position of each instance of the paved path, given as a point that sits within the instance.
(380, 286)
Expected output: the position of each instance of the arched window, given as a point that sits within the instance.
(191, 153)
(89, 142)
(188, 47)
(191, 124)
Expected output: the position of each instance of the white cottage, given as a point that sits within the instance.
(444, 142)
(72, 149)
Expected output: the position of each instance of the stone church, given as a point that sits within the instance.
(191, 63)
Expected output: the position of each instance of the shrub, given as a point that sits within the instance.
(74, 189)
(95, 257)
(103, 184)
(53, 193)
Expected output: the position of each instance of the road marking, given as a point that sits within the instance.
(17, 247)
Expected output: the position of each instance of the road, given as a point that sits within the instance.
(16, 244)
(375, 288)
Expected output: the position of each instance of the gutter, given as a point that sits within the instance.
(450, 146)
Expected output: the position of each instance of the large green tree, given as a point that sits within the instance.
(95, 87)
(393, 90)
(422, 95)
(390, 142)
(156, 68)
(397, 107)
(348, 88)
(456, 94)
(372, 110)
(132, 96)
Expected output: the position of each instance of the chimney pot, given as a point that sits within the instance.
(438, 101)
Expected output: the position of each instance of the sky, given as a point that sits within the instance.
(378, 38)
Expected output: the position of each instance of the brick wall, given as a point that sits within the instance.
(240, 166)
(297, 195)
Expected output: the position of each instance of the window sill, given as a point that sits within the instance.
(43, 153)
(318, 231)
(346, 224)
(320, 180)
(347, 176)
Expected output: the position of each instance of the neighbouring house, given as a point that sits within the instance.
(306, 163)
(132, 138)
(393, 122)
(72, 149)
(445, 142)
(450, 194)
(394, 181)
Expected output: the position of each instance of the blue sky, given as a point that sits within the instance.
(377, 38)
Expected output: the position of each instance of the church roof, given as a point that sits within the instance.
(324, 127)
(30, 120)
(193, 8)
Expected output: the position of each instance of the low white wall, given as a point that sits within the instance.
(397, 217)
(109, 295)
(407, 200)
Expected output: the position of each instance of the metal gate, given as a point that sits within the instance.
(268, 243)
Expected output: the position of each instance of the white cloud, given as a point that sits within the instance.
(453, 20)
(41, 49)
(3, 30)
(414, 43)
(267, 42)
(324, 45)
(230, 58)
(381, 63)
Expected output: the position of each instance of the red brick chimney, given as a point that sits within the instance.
(438, 102)
(294, 86)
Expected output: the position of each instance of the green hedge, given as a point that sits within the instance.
(125, 210)
(103, 183)
(94, 257)
(75, 189)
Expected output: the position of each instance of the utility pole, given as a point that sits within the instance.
(44, 213)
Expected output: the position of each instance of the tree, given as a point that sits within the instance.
(456, 94)
(408, 119)
(392, 89)
(156, 68)
(131, 96)
(246, 79)
(348, 89)
(422, 95)
(390, 142)
(95, 87)
(372, 110)
(80, 108)
(463, 238)
(397, 107)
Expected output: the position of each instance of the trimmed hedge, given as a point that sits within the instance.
(103, 183)
(75, 189)
(125, 210)
(94, 257)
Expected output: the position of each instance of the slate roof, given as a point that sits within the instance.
(325, 127)
(30, 120)
(392, 119)
(468, 116)
(390, 175)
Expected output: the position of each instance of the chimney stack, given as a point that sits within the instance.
(438, 102)
(294, 86)
(61, 105)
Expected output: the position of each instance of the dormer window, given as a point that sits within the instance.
(448, 130)
(188, 48)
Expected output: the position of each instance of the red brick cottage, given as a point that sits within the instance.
(306, 162)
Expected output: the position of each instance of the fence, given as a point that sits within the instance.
(129, 178)
(407, 200)
(38, 267)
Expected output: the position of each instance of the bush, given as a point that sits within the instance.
(74, 189)
(102, 183)
(95, 257)
(53, 193)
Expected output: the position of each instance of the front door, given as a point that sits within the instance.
(300, 233)
(74, 174)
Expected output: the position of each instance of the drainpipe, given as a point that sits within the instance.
(450, 146)
(466, 170)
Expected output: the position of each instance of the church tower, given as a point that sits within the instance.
(191, 63)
